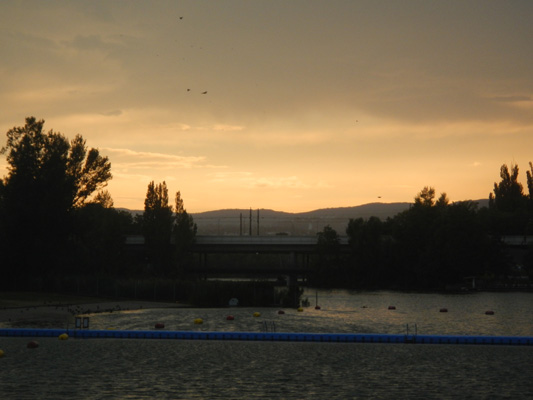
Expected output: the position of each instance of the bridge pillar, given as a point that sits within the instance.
(202, 262)
(294, 259)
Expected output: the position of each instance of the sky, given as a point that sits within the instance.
(286, 105)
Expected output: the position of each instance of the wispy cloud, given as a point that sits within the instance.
(252, 181)
(227, 128)
(131, 159)
(511, 99)
(111, 113)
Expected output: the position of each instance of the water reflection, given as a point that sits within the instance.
(172, 369)
(176, 369)
(346, 312)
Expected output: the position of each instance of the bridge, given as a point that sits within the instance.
(269, 255)
(276, 255)
(259, 244)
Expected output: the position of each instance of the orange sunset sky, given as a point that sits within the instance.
(309, 104)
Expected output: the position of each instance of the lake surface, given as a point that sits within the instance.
(182, 369)
(352, 312)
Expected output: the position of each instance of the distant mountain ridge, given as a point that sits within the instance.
(236, 221)
(381, 210)
(271, 222)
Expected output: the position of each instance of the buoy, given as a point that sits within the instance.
(159, 325)
(281, 312)
(63, 336)
(443, 310)
(1, 353)
(198, 321)
(392, 308)
(230, 318)
(257, 314)
(300, 309)
(33, 344)
(490, 312)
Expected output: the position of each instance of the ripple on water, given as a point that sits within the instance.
(146, 369)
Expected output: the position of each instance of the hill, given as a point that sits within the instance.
(270, 222)
(233, 222)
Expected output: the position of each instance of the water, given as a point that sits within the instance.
(345, 312)
(176, 369)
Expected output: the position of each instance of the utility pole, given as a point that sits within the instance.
(258, 222)
(250, 221)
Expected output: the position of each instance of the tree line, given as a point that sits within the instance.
(57, 220)
(435, 243)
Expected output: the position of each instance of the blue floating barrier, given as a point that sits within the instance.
(272, 336)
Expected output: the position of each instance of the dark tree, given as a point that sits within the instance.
(48, 177)
(157, 222)
(328, 241)
(98, 239)
(48, 163)
(529, 175)
(184, 234)
(508, 194)
(426, 197)
(508, 205)
(327, 272)
(438, 244)
(104, 199)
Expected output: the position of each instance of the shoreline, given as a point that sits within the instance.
(35, 310)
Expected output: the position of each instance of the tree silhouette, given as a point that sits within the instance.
(48, 177)
(184, 233)
(157, 224)
(529, 175)
(104, 199)
(47, 163)
(508, 194)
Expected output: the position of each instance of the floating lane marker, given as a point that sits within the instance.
(269, 336)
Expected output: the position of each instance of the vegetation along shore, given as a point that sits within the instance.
(60, 232)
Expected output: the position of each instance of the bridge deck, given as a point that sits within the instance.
(253, 244)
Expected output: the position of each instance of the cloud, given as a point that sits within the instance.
(130, 159)
(83, 43)
(112, 113)
(251, 181)
(511, 99)
(227, 128)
